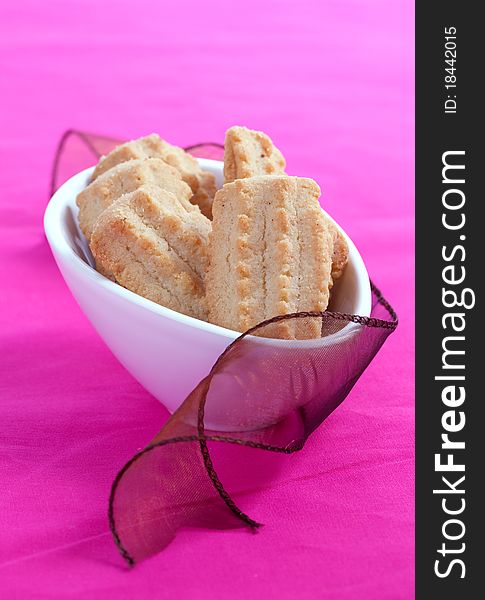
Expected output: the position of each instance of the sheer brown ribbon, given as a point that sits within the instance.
(262, 394)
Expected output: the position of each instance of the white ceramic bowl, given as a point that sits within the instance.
(167, 352)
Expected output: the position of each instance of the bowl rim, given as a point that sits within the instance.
(61, 248)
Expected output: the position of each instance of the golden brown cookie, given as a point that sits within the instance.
(201, 182)
(123, 178)
(150, 243)
(340, 254)
(249, 153)
(270, 253)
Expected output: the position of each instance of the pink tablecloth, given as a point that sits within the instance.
(332, 83)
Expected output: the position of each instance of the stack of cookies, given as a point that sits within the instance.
(259, 247)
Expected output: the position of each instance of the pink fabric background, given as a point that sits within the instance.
(332, 82)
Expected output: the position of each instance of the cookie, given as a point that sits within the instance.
(249, 153)
(202, 183)
(123, 178)
(270, 253)
(155, 246)
(340, 254)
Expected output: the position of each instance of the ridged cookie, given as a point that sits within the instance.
(340, 254)
(249, 153)
(122, 179)
(150, 243)
(270, 253)
(202, 183)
